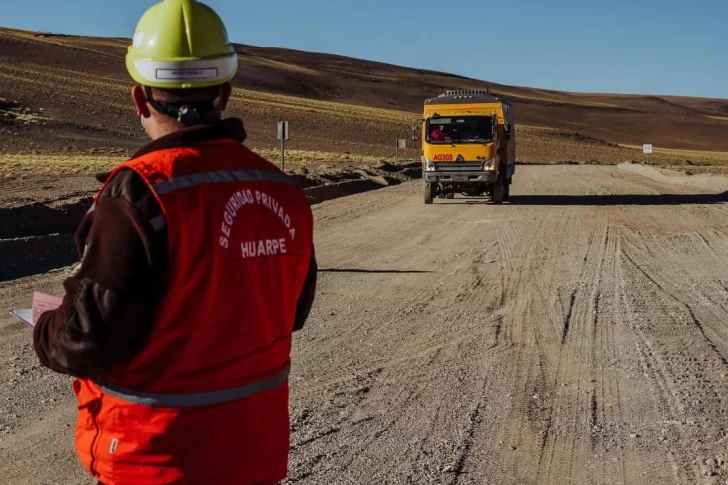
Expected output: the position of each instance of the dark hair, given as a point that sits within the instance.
(188, 106)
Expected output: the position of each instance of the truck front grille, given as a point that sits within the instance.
(459, 166)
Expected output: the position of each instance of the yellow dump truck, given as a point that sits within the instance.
(468, 145)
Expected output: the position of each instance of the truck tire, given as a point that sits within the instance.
(429, 192)
(498, 191)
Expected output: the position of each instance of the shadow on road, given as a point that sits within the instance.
(620, 199)
(596, 200)
(374, 271)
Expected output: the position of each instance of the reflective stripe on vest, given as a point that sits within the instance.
(199, 178)
(198, 399)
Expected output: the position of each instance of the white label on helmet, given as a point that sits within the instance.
(203, 70)
(175, 74)
(138, 39)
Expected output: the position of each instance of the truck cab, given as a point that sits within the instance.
(468, 145)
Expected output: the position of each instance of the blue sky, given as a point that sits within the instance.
(615, 46)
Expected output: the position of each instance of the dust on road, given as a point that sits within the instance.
(577, 335)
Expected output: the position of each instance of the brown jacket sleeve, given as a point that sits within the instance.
(107, 310)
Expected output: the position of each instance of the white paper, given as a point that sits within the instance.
(44, 303)
(41, 303)
(25, 315)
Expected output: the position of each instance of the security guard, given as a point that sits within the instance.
(197, 266)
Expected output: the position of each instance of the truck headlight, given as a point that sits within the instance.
(429, 165)
(490, 165)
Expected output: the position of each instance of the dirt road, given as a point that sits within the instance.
(578, 335)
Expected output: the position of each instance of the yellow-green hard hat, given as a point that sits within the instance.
(181, 44)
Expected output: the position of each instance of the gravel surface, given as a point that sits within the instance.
(576, 335)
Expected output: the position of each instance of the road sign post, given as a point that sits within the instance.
(647, 150)
(283, 136)
(401, 143)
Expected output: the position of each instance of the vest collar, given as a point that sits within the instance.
(230, 128)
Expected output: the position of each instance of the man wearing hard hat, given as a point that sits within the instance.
(197, 266)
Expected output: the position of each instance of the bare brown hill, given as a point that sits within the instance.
(62, 94)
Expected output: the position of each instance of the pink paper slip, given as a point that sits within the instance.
(43, 303)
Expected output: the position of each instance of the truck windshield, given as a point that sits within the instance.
(460, 129)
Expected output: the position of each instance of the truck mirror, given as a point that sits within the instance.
(416, 132)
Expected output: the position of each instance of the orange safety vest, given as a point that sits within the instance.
(206, 400)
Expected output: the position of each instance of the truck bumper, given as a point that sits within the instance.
(460, 177)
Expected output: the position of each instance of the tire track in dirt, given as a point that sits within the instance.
(668, 401)
(661, 317)
(460, 330)
(663, 402)
(561, 446)
(663, 284)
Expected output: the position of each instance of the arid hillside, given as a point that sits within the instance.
(70, 95)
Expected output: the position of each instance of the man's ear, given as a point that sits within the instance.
(140, 101)
(227, 92)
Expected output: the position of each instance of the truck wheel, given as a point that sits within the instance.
(498, 190)
(429, 192)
